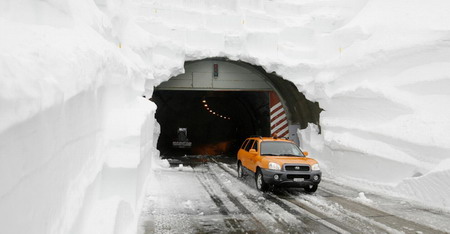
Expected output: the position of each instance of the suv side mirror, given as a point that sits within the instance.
(253, 151)
(305, 153)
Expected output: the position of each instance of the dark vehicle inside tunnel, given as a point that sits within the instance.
(216, 122)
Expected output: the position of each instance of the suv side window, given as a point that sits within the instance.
(249, 145)
(244, 144)
(255, 146)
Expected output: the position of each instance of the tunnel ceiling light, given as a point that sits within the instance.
(205, 104)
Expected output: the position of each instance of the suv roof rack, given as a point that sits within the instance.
(256, 136)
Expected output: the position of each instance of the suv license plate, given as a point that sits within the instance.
(298, 179)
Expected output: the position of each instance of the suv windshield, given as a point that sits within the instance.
(279, 148)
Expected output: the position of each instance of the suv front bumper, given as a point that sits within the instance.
(291, 178)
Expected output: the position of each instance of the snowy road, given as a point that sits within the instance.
(206, 197)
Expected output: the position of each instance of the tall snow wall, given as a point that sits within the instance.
(77, 140)
(76, 135)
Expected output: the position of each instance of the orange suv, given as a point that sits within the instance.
(277, 163)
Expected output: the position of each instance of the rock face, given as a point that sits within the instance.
(76, 138)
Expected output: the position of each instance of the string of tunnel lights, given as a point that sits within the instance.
(205, 104)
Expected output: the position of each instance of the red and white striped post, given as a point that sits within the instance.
(278, 120)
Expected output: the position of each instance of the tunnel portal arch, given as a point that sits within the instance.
(218, 77)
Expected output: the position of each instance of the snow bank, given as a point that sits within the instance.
(72, 120)
(433, 187)
(76, 138)
(384, 98)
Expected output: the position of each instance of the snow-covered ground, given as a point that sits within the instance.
(74, 130)
(206, 196)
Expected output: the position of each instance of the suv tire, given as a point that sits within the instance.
(240, 171)
(311, 188)
(259, 180)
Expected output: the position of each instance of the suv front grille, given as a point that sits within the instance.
(306, 177)
(296, 168)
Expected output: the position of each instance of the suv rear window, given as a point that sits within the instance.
(244, 144)
(276, 148)
(249, 145)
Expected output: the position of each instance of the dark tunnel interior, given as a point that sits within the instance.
(217, 122)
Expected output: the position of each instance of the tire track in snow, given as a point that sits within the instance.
(233, 221)
(343, 218)
(301, 228)
(379, 216)
(278, 222)
(326, 225)
(315, 224)
(334, 214)
(261, 227)
(396, 206)
(230, 221)
(338, 224)
(170, 205)
(290, 227)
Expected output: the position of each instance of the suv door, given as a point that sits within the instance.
(246, 155)
(241, 152)
(253, 158)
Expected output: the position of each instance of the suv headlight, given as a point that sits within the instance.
(274, 166)
(315, 167)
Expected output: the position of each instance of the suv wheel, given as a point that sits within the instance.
(259, 179)
(311, 188)
(239, 170)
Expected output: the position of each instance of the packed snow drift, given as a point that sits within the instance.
(77, 140)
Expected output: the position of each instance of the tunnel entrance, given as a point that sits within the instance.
(217, 103)
(216, 122)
